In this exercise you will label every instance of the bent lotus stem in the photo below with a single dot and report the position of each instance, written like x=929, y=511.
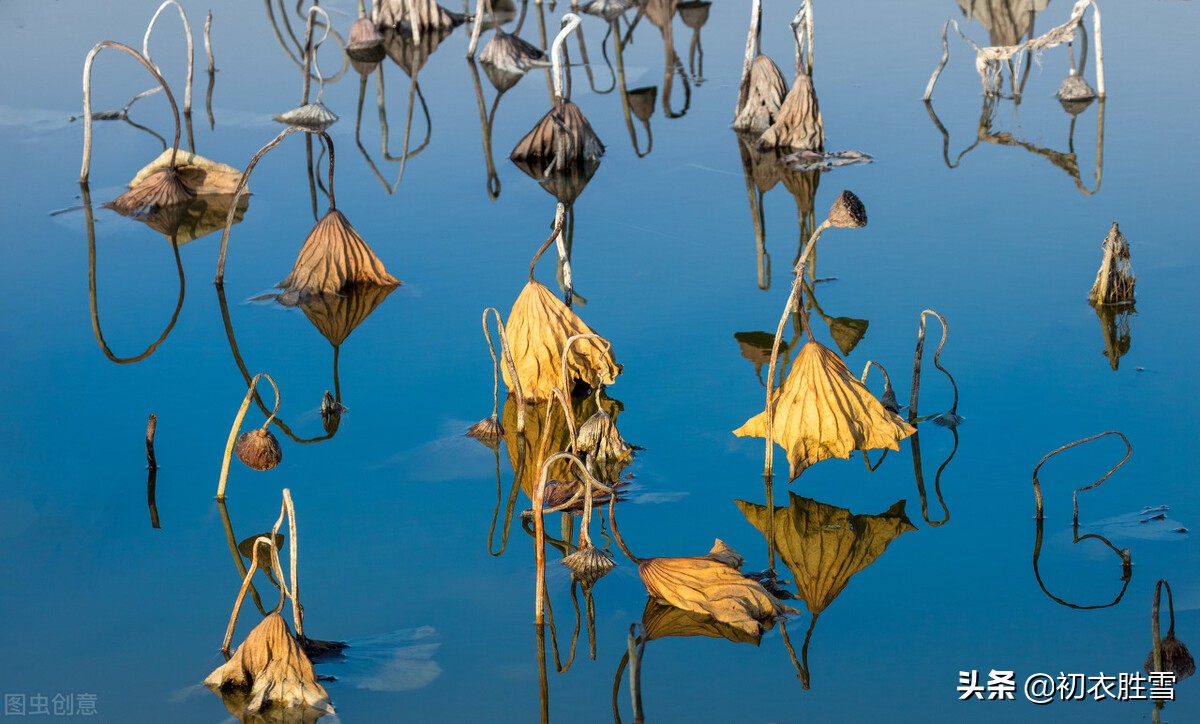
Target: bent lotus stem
x=212, y=71
x=85, y=168
x=481, y=7
x=245, y=180
x=289, y=509
x=753, y=46
x=260, y=542
x=570, y=21
x=237, y=426
x=1037, y=485
x=636, y=645
x=1123, y=554
x=559, y=217
x=566, y=350
x=512, y=368
x=1154, y=630
x=539, y=524
x=792, y=303
x=191, y=56
x=919, y=355
x=310, y=54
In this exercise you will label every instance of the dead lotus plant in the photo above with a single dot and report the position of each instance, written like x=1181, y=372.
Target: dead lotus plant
x=563, y=137
x=949, y=418
x=1168, y=653
x=258, y=449
x=1115, y=280
x=821, y=411
x=270, y=668
x=333, y=256
x=160, y=189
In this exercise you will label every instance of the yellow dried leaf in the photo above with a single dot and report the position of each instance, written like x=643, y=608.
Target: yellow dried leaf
x=198, y=173
x=335, y=256
x=538, y=328
x=269, y=670
x=526, y=451
x=822, y=412
x=337, y=315
x=710, y=585
x=824, y=545
x=660, y=621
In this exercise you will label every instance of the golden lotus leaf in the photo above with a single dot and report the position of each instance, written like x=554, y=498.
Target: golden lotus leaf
x=660, y=621
x=333, y=257
x=198, y=173
x=824, y=545
x=538, y=328
x=269, y=670
x=822, y=412
x=713, y=586
x=526, y=451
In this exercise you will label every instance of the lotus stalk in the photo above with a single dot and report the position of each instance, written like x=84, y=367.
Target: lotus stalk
x=191, y=56
x=261, y=434
x=950, y=418
x=1037, y=485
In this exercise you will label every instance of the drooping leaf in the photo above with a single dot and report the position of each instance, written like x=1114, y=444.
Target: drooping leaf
x=269, y=670
x=333, y=257
x=198, y=173
x=712, y=585
x=823, y=545
x=822, y=412
x=538, y=328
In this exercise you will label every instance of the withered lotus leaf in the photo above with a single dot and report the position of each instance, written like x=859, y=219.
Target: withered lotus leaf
x=526, y=451
x=822, y=412
x=538, y=328
x=798, y=124
x=563, y=136
x=159, y=190
x=824, y=545
x=660, y=621
x=764, y=98
x=272, y=670
x=712, y=585
x=198, y=173
x=333, y=257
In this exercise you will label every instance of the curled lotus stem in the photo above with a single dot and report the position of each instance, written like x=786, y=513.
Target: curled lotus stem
x=289, y=509
x=888, y=398
x=269, y=544
x=539, y=524
x=191, y=56
x=918, y=356
x=1037, y=485
x=85, y=168
x=242, y=184
x=237, y=426
x=560, y=214
x=508, y=361
x=567, y=349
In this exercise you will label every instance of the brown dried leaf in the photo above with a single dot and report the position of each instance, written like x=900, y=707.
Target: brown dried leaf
x=333, y=257
x=767, y=91
x=161, y=189
x=270, y=670
x=538, y=328
x=337, y=315
x=192, y=219
x=710, y=585
x=660, y=621
x=563, y=127
x=798, y=125
x=198, y=173
x=823, y=545
x=822, y=412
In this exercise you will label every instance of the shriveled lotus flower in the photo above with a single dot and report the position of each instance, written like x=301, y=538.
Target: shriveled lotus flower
x=764, y=98
x=712, y=585
x=259, y=449
x=333, y=257
x=538, y=328
x=822, y=411
x=270, y=670
x=200, y=175
x=798, y=125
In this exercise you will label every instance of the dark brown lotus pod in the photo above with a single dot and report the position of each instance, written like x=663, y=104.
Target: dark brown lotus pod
x=258, y=449
x=1175, y=658
x=366, y=42
x=848, y=212
x=331, y=413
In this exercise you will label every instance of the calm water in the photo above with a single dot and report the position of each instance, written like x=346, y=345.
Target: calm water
x=394, y=511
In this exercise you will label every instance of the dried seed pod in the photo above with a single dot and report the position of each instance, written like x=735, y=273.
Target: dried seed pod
x=589, y=562
x=486, y=430
x=366, y=42
x=848, y=212
x=259, y=449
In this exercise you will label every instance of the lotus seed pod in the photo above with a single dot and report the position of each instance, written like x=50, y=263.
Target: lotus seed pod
x=848, y=212
x=258, y=449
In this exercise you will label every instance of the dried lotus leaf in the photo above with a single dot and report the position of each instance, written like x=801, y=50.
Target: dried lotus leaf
x=823, y=412
x=538, y=328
